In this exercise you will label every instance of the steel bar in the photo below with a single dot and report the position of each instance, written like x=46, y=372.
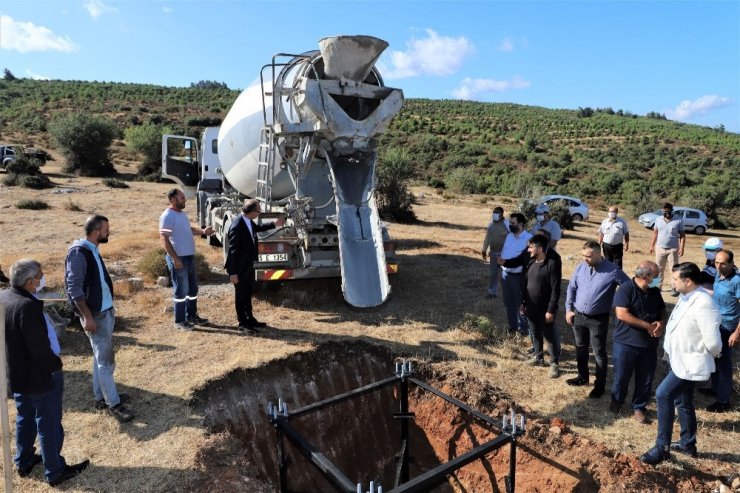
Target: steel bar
x=404, y=409
x=437, y=475
x=342, y=397
x=456, y=402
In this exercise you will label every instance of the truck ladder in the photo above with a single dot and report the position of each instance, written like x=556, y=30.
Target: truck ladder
x=265, y=167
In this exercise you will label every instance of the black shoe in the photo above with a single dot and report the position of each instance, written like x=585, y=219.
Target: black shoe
x=196, y=320
x=615, y=407
x=100, y=405
x=25, y=471
x=595, y=393
x=247, y=329
x=576, y=382
x=656, y=455
x=69, y=472
x=122, y=414
x=688, y=449
x=706, y=391
x=530, y=350
x=718, y=407
x=256, y=323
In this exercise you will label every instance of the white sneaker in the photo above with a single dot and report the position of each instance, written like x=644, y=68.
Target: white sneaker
x=554, y=370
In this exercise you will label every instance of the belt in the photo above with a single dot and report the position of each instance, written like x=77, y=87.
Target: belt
x=598, y=315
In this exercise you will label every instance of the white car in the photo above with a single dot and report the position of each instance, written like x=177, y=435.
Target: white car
x=693, y=219
x=578, y=208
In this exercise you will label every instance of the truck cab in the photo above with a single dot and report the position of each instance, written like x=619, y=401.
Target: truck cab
x=10, y=153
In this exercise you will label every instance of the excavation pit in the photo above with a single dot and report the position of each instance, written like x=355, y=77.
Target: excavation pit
x=360, y=435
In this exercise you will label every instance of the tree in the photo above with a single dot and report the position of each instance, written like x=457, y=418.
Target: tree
x=85, y=142
x=8, y=75
x=395, y=201
x=147, y=140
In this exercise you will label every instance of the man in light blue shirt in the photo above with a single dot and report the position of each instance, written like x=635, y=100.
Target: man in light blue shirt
x=588, y=303
x=90, y=291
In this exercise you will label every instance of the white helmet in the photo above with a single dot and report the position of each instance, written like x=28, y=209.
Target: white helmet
x=713, y=245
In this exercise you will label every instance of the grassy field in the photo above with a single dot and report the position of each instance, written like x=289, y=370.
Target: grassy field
x=441, y=279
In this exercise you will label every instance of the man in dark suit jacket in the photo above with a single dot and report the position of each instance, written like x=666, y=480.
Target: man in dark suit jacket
x=242, y=253
x=36, y=378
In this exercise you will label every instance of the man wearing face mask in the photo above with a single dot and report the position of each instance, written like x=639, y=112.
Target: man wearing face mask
x=668, y=241
x=35, y=374
x=90, y=291
x=496, y=233
x=614, y=236
x=640, y=313
x=544, y=221
x=512, y=260
x=711, y=247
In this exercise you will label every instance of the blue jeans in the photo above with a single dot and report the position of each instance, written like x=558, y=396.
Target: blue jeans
x=722, y=376
x=104, y=360
x=512, y=286
x=185, y=285
x=495, y=273
x=638, y=360
x=674, y=393
x=41, y=414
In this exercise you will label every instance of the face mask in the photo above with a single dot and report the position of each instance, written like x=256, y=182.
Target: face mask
x=710, y=255
x=496, y=216
x=654, y=283
x=668, y=215
x=612, y=215
x=514, y=229
x=540, y=217
x=42, y=283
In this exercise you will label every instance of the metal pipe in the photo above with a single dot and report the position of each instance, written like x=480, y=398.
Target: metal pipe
x=342, y=397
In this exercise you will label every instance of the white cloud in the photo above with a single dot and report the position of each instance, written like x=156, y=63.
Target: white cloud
x=167, y=10
x=27, y=36
x=433, y=55
x=506, y=45
x=96, y=8
x=688, y=110
x=31, y=75
x=472, y=88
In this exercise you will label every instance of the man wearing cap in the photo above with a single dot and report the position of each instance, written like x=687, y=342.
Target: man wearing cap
x=496, y=233
x=614, y=236
x=544, y=221
x=711, y=247
x=668, y=241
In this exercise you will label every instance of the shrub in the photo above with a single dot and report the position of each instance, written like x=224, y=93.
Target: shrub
x=37, y=182
x=72, y=206
x=114, y=183
x=462, y=180
x=147, y=141
x=25, y=172
x=35, y=205
x=153, y=265
x=479, y=324
x=85, y=142
x=395, y=201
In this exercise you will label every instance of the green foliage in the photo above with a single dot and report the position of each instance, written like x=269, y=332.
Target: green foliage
x=114, y=183
x=147, y=140
x=8, y=75
x=35, y=205
x=153, y=265
x=85, y=141
x=479, y=324
x=26, y=173
x=394, y=171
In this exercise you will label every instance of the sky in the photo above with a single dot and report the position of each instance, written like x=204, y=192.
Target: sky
x=678, y=58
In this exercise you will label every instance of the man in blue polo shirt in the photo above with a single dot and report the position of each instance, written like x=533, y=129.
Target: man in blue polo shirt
x=640, y=312
x=727, y=297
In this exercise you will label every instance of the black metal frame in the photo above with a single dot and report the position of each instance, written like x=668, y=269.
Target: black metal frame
x=279, y=417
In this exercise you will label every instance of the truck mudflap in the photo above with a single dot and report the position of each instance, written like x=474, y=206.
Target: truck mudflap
x=268, y=275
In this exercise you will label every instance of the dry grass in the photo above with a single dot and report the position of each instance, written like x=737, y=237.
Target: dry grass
x=441, y=279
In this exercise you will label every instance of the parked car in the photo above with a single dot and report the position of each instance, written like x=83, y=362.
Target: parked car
x=578, y=208
x=693, y=219
x=9, y=153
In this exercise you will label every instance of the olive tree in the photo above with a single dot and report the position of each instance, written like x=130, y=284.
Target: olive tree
x=85, y=142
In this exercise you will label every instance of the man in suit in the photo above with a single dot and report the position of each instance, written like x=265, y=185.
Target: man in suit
x=692, y=341
x=36, y=379
x=242, y=253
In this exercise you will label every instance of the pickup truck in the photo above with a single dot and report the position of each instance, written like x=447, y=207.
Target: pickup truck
x=10, y=152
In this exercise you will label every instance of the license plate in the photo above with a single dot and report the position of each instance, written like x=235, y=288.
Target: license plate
x=273, y=257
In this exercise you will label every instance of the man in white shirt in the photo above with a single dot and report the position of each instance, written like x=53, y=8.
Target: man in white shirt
x=512, y=259
x=614, y=236
x=547, y=223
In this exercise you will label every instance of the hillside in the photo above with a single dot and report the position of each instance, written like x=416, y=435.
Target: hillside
x=466, y=147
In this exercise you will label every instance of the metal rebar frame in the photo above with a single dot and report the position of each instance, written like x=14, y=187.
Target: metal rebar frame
x=511, y=426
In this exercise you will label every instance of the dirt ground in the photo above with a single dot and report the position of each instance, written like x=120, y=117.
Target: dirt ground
x=441, y=278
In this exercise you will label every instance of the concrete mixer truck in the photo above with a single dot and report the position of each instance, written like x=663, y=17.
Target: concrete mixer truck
x=302, y=141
